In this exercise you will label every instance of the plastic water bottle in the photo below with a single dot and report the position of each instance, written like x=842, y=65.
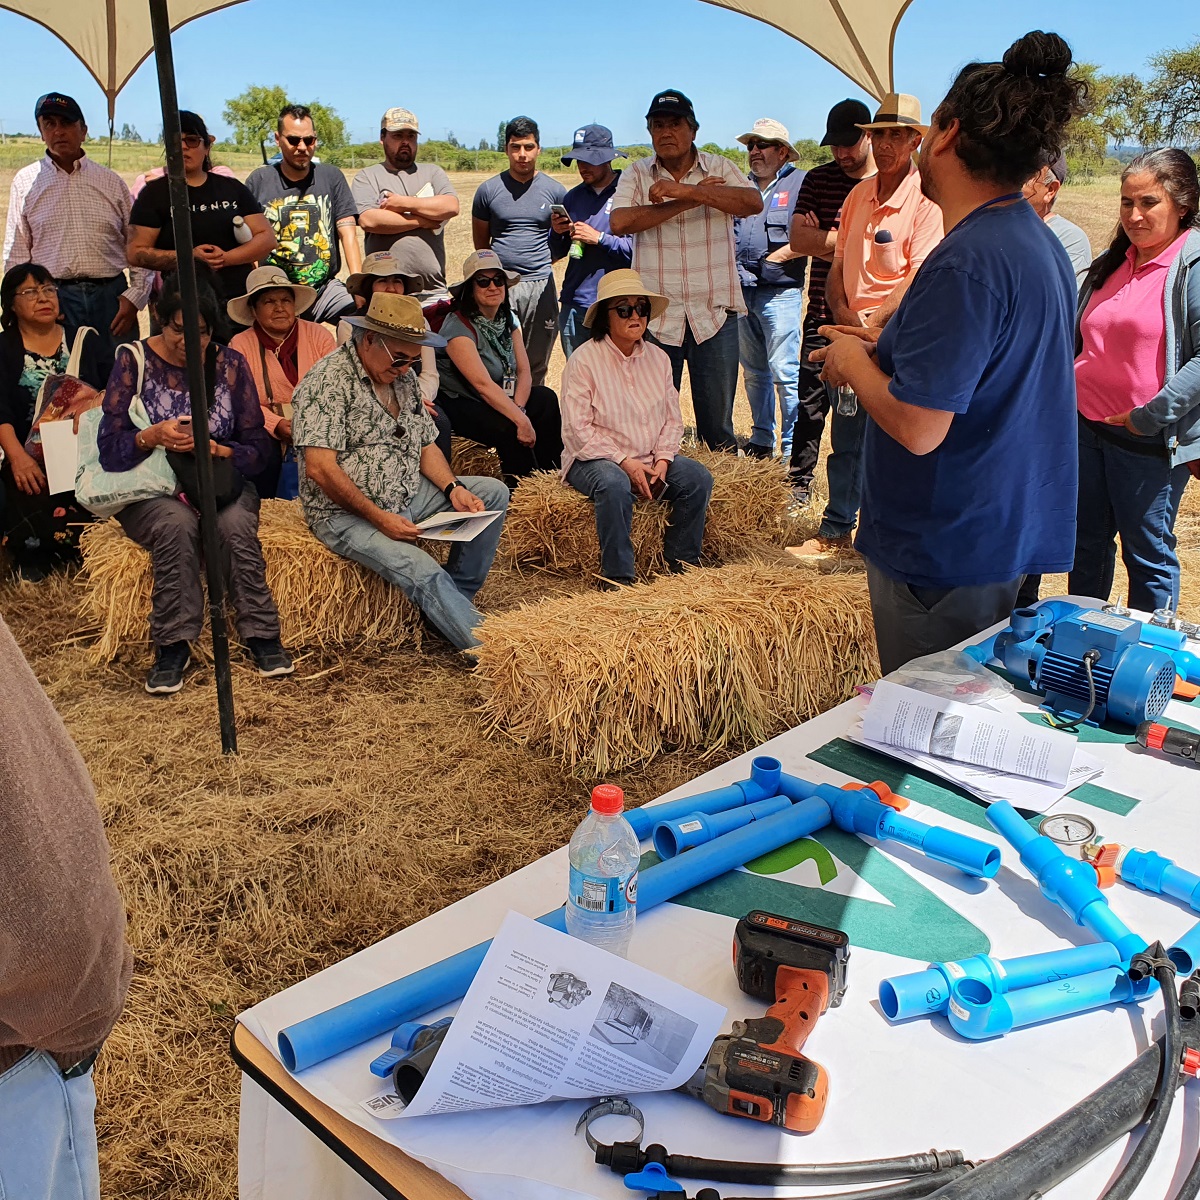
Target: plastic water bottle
x=604, y=854
x=242, y=232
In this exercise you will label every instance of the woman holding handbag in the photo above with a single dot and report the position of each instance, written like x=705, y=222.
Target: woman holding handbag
x=34, y=345
x=169, y=526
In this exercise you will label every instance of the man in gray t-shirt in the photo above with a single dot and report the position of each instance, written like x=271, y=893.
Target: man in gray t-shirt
x=401, y=197
x=1041, y=192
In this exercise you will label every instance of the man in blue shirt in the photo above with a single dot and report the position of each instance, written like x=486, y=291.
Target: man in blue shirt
x=594, y=247
x=971, y=473
x=772, y=277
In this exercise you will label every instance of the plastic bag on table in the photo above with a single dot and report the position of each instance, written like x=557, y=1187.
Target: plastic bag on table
x=952, y=675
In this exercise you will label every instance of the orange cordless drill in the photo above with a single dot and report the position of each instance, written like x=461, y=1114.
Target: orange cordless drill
x=759, y=1069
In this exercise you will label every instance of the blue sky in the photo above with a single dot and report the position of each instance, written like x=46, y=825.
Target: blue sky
x=461, y=65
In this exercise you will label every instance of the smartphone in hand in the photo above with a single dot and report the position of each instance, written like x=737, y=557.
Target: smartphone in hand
x=559, y=210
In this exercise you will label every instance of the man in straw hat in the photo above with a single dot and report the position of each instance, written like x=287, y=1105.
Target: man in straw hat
x=369, y=469
x=621, y=430
x=888, y=228
x=772, y=276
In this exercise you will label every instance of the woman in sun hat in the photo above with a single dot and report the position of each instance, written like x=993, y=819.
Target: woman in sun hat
x=622, y=428
x=486, y=384
x=280, y=348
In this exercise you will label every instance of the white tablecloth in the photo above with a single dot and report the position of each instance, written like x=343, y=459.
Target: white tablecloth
x=895, y=1089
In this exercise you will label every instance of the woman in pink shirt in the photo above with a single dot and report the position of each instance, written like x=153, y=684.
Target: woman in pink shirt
x=1137, y=379
x=621, y=430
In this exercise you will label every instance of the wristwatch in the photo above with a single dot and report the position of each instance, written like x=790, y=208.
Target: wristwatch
x=451, y=486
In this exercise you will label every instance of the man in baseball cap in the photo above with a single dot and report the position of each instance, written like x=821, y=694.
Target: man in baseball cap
x=1041, y=191
x=57, y=105
x=595, y=249
x=401, y=197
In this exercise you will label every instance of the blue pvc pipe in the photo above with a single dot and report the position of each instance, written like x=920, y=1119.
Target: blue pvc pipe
x=1151, y=872
x=762, y=785
x=1185, y=953
x=1067, y=882
x=358, y=1020
x=697, y=828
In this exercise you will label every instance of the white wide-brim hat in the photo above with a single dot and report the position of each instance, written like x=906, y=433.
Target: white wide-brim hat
x=264, y=279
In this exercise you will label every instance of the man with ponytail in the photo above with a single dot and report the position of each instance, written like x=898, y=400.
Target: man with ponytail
x=970, y=471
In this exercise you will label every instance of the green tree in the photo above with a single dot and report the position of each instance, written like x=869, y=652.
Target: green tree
x=129, y=133
x=500, y=135
x=254, y=116
x=1172, y=98
x=484, y=144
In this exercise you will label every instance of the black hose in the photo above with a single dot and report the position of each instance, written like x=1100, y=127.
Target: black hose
x=1191, y=1185
x=909, y=1189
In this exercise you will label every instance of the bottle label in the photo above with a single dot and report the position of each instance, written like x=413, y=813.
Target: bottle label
x=603, y=893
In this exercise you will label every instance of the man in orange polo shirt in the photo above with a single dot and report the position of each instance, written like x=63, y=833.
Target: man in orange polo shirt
x=886, y=230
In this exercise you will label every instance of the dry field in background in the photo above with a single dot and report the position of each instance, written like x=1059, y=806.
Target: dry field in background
x=365, y=797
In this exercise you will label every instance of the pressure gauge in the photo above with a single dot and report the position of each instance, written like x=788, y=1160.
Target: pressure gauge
x=1069, y=832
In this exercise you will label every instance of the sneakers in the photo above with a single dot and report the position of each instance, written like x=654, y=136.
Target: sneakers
x=817, y=546
x=270, y=657
x=170, y=662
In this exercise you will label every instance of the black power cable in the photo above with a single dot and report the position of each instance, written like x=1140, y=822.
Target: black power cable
x=1189, y=1003
x=909, y=1189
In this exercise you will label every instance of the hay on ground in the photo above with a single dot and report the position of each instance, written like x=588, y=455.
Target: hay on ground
x=705, y=661
x=470, y=458
x=324, y=600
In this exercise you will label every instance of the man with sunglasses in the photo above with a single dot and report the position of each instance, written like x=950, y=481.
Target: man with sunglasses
x=314, y=216
x=370, y=471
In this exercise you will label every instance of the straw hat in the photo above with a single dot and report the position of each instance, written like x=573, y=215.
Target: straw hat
x=263, y=279
x=382, y=265
x=399, y=317
x=483, y=260
x=766, y=130
x=624, y=283
x=898, y=110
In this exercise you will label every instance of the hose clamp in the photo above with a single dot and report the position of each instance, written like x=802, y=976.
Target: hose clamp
x=610, y=1106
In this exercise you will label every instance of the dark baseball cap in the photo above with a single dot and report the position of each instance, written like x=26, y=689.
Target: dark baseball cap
x=55, y=104
x=1058, y=165
x=671, y=102
x=592, y=144
x=842, y=124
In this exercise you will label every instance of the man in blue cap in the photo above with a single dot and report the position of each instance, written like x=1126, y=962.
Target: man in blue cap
x=595, y=249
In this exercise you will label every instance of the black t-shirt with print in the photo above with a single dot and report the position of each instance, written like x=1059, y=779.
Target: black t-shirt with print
x=214, y=204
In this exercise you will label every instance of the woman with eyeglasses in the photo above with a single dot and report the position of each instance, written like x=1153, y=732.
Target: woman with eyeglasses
x=169, y=526
x=215, y=202
x=486, y=385
x=622, y=428
x=34, y=344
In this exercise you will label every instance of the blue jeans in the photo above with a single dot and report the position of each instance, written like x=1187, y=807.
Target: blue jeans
x=47, y=1133
x=769, y=339
x=844, y=469
x=712, y=371
x=1136, y=495
x=572, y=332
x=95, y=304
x=444, y=595
x=689, y=485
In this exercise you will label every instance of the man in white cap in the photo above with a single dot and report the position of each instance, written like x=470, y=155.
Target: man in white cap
x=772, y=277
x=888, y=228
x=401, y=197
x=369, y=469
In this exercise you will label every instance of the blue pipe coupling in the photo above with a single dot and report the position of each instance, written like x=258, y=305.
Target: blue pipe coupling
x=674, y=837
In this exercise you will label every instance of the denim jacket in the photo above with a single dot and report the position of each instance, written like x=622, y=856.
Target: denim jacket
x=1174, y=414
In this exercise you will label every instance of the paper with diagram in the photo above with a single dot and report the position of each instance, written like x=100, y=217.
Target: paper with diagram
x=549, y=1017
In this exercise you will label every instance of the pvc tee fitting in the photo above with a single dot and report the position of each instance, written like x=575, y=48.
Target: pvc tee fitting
x=674, y=837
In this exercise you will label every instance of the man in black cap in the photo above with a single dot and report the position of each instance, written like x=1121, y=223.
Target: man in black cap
x=71, y=216
x=680, y=205
x=594, y=247
x=814, y=234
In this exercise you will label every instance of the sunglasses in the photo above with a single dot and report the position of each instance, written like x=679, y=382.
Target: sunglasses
x=292, y=140
x=403, y=361
x=193, y=141
x=625, y=311
x=759, y=144
x=489, y=281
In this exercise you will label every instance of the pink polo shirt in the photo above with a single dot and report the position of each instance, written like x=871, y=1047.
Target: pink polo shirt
x=1124, y=358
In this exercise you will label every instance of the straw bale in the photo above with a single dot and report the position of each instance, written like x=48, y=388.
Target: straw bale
x=324, y=600
x=705, y=661
x=470, y=458
x=553, y=526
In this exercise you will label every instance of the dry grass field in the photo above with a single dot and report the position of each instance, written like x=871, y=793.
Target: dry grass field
x=366, y=795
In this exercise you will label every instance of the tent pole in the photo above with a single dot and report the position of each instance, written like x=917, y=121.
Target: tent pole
x=182, y=222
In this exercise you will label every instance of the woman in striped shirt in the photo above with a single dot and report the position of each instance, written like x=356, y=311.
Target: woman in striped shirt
x=622, y=428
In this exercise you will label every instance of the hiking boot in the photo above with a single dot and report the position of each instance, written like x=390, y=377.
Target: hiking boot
x=270, y=657
x=170, y=662
x=800, y=500
x=818, y=546
x=751, y=450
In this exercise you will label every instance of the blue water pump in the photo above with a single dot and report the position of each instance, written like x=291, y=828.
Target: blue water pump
x=1090, y=665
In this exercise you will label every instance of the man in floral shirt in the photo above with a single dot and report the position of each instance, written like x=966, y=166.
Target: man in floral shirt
x=369, y=470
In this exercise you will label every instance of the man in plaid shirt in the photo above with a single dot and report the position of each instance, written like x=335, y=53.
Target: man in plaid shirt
x=680, y=204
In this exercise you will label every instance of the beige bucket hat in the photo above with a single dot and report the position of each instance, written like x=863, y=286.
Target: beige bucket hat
x=399, y=317
x=624, y=283
x=898, y=110
x=767, y=130
x=483, y=260
x=263, y=279
x=381, y=265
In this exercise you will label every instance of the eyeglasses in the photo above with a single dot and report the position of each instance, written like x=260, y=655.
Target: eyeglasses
x=177, y=330
x=759, y=144
x=292, y=140
x=625, y=311
x=45, y=291
x=193, y=141
x=489, y=281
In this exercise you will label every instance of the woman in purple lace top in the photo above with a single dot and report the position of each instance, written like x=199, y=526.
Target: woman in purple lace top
x=168, y=526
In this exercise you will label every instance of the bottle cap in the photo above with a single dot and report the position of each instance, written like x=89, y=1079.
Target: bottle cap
x=607, y=798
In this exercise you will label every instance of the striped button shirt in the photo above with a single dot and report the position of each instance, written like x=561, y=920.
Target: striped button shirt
x=691, y=257
x=73, y=223
x=616, y=407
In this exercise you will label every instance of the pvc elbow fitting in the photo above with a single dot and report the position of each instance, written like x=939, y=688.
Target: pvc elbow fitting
x=674, y=837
